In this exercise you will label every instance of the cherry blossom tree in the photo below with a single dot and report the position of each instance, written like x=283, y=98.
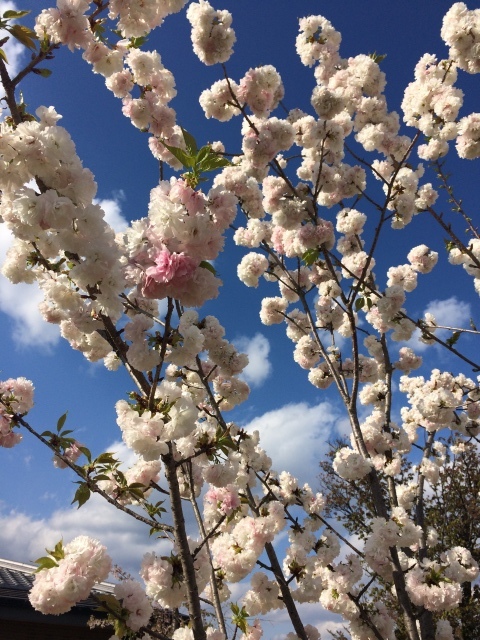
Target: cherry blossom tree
x=451, y=512
x=310, y=197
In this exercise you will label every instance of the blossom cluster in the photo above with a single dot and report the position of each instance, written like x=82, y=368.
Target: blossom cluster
x=84, y=563
x=16, y=399
x=167, y=252
x=164, y=580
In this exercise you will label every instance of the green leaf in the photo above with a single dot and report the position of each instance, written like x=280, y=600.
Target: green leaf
x=86, y=453
x=207, y=265
x=182, y=156
x=377, y=57
x=212, y=164
x=45, y=562
x=82, y=494
x=45, y=43
x=119, y=627
x=15, y=14
x=105, y=458
x=3, y=55
x=99, y=29
x=24, y=35
x=58, y=553
x=136, y=43
x=239, y=617
x=203, y=153
x=310, y=256
x=359, y=304
x=110, y=601
x=453, y=338
x=45, y=73
x=190, y=142
x=61, y=421
x=138, y=493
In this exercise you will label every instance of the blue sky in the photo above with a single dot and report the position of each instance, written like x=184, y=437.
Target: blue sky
x=296, y=419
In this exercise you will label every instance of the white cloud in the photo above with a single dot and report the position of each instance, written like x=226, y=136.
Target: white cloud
x=24, y=538
x=295, y=436
x=257, y=350
x=276, y=625
x=13, y=49
x=113, y=211
x=451, y=312
x=20, y=302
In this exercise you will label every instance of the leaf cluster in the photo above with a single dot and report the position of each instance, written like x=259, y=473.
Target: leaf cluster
x=54, y=556
x=196, y=161
x=239, y=617
x=20, y=32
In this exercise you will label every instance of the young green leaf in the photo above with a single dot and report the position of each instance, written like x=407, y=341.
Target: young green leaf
x=105, y=458
x=207, y=265
x=203, y=153
x=190, y=142
x=239, y=617
x=359, y=304
x=45, y=73
x=58, y=553
x=453, y=338
x=377, y=57
x=310, y=256
x=15, y=14
x=45, y=562
x=82, y=494
x=61, y=421
x=213, y=162
x=86, y=453
x=182, y=156
x=24, y=35
x=136, y=43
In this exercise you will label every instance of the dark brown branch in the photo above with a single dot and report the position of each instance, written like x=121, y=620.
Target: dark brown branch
x=188, y=567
